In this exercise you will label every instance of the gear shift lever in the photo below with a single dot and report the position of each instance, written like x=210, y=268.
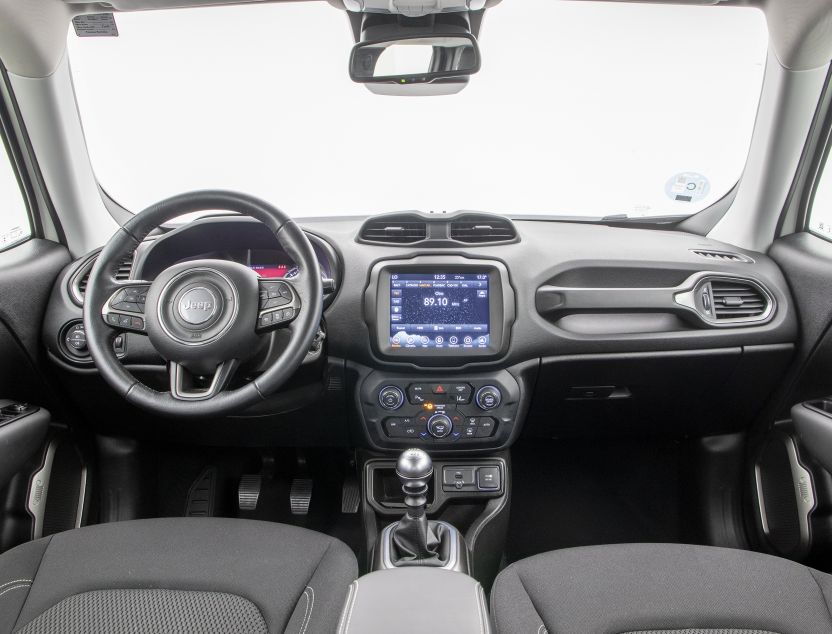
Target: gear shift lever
x=415, y=469
x=415, y=541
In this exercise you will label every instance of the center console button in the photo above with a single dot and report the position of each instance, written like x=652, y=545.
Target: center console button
x=486, y=427
x=461, y=393
x=391, y=397
x=452, y=475
x=440, y=426
x=418, y=393
x=488, y=478
x=489, y=397
x=469, y=431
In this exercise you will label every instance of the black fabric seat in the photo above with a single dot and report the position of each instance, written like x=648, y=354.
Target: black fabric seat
x=660, y=588
x=196, y=575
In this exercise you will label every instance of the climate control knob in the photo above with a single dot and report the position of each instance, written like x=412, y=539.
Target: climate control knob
x=390, y=397
x=439, y=426
x=489, y=397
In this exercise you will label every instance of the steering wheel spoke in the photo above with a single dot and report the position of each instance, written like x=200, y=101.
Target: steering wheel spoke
x=279, y=304
x=186, y=386
x=125, y=309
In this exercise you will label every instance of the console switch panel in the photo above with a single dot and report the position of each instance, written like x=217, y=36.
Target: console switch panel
x=471, y=478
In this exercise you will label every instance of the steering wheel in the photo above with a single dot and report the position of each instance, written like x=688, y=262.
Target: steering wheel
x=204, y=317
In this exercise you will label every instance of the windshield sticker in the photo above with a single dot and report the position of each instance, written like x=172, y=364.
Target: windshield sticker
x=687, y=187
x=95, y=25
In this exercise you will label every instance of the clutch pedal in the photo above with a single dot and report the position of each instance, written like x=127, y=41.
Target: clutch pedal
x=300, y=496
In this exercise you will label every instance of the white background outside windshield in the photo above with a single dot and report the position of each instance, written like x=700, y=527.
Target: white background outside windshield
x=580, y=108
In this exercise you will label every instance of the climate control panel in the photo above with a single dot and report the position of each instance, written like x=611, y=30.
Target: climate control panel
x=468, y=412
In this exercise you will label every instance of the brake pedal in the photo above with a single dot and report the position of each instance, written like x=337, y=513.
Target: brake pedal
x=300, y=496
x=350, y=495
x=248, y=492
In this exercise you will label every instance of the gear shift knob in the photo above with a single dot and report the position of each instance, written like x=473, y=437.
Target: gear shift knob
x=415, y=469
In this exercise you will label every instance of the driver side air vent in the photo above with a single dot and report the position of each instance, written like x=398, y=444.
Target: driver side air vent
x=394, y=230
x=81, y=278
x=738, y=300
x=482, y=229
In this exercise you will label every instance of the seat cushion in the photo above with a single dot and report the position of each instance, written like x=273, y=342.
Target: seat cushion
x=200, y=575
x=660, y=588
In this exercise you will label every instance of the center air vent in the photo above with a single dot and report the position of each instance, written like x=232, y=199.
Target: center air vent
x=481, y=229
x=404, y=229
x=82, y=276
x=738, y=300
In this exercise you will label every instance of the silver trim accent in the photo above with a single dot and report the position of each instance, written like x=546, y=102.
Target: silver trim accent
x=38, y=493
x=201, y=342
x=39, y=489
x=453, y=551
x=804, y=491
x=218, y=382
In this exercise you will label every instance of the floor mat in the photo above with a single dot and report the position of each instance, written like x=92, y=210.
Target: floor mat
x=580, y=493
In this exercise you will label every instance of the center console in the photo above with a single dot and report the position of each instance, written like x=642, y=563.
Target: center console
x=445, y=413
x=440, y=327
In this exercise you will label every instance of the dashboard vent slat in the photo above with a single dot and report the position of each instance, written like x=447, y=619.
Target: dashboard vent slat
x=482, y=229
x=395, y=230
x=738, y=300
x=722, y=256
x=123, y=273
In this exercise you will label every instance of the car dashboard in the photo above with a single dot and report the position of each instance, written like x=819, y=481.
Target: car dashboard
x=459, y=332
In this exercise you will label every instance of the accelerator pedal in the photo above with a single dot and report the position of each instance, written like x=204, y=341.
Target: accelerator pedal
x=300, y=496
x=248, y=492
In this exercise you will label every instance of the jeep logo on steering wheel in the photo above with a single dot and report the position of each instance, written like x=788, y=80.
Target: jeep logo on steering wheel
x=197, y=305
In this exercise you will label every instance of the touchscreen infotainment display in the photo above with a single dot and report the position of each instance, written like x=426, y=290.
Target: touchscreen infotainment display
x=439, y=310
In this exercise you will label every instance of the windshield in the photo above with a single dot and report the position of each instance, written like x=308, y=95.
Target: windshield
x=580, y=109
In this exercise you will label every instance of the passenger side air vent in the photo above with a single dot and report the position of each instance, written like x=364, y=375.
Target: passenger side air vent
x=405, y=229
x=738, y=300
x=723, y=256
x=81, y=278
x=482, y=229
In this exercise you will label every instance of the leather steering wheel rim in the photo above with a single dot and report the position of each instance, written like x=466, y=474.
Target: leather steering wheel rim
x=102, y=284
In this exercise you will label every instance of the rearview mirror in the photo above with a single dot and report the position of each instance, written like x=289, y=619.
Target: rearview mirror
x=416, y=59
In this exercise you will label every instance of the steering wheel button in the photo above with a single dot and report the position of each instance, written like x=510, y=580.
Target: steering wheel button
x=266, y=319
x=112, y=319
x=137, y=323
x=288, y=313
x=285, y=291
x=125, y=320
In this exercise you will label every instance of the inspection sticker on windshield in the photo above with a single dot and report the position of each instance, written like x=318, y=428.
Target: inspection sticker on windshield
x=95, y=25
x=687, y=187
